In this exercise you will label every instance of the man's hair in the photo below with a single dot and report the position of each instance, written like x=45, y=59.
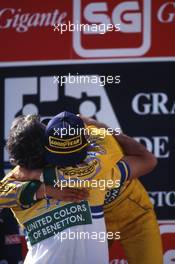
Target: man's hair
x=25, y=143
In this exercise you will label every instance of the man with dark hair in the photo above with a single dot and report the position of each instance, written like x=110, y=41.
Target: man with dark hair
x=137, y=160
x=49, y=220
x=25, y=146
x=25, y=143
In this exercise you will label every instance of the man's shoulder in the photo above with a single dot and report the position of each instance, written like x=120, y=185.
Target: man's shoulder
x=102, y=141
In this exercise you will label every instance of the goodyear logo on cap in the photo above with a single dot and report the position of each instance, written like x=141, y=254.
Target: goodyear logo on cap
x=65, y=143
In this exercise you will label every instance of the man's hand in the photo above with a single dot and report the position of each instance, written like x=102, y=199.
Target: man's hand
x=66, y=194
x=22, y=174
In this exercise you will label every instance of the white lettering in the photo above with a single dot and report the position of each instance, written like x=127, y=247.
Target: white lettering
x=163, y=16
x=154, y=103
x=15, y=18
x=157, y=145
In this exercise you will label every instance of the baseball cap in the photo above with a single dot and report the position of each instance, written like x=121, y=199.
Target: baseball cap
x=65, y=142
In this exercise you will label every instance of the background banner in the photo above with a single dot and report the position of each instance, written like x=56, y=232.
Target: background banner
x=142, y=105
x=28, y=32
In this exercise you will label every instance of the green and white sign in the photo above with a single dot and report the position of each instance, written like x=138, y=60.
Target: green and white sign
x=54, y=221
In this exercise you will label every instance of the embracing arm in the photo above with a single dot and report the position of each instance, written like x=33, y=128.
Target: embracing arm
x=139, y=159
x=22, y=188
x=66, y=194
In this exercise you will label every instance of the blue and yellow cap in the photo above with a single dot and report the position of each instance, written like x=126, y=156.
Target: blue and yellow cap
x=65, y=140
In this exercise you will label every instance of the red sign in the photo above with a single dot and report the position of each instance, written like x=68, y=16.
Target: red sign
x=86, y=29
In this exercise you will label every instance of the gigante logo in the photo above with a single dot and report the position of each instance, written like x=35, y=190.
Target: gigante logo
x=21, y=22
